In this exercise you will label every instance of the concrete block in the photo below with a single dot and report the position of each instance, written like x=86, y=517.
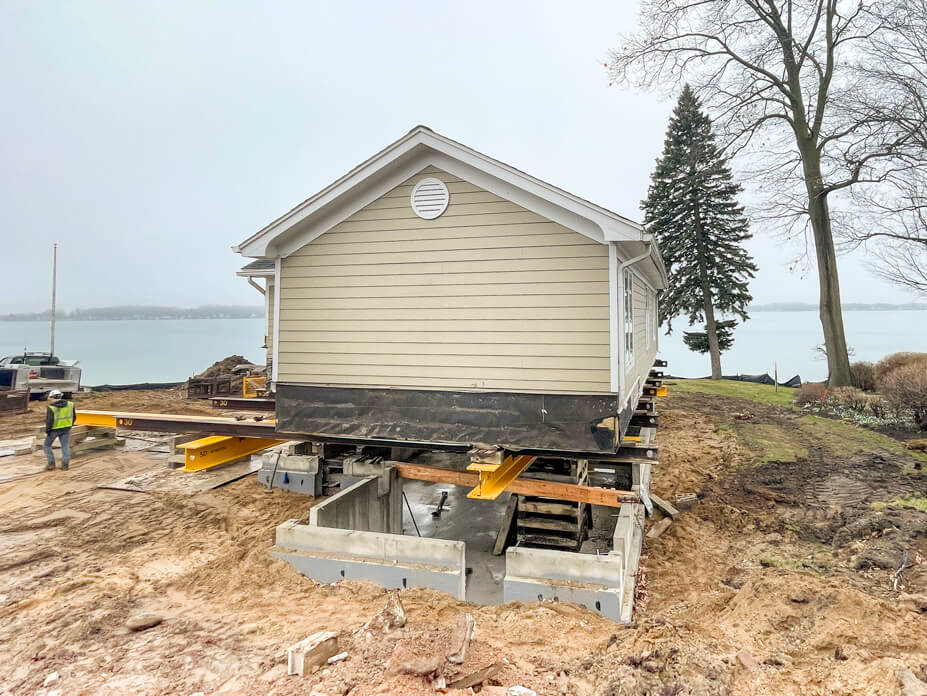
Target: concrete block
x=391, y=560
x=311, y=653
x=627, y=541
x=593, y=581
x=300, y=473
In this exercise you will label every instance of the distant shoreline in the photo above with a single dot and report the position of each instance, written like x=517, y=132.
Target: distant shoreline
x=142, y=313
x=847, y=307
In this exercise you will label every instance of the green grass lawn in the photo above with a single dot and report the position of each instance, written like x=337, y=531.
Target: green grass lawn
x=778, y=442
x=763, y=393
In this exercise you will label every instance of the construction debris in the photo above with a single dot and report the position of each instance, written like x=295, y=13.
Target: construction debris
x=311, y=653
x=664, y=506
x=391, y=617
x=685, y=501
x=477, y=677
x=659, y=527
x=465, y=627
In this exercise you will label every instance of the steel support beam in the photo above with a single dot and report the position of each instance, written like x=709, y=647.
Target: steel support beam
x=494, y=478
x=218, y=425
x=209, y=452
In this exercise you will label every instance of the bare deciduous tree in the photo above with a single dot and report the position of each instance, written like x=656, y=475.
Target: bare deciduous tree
x=893, y=88
x=774, y=74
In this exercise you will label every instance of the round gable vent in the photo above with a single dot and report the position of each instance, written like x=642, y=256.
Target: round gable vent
x=430, y=198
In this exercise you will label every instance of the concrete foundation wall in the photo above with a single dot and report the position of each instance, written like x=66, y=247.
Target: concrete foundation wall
x=596, y=582
x=391, y=560
x=363, y=506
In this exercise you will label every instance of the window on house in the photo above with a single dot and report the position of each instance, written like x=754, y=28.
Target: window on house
x=648, y=320
x=628, y=321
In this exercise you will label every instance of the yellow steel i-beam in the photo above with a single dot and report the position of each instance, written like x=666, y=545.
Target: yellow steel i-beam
x=208, y=452
x=494, y=478
x=91, y=418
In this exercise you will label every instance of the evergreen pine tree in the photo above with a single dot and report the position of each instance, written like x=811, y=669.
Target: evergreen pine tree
x=692, y=210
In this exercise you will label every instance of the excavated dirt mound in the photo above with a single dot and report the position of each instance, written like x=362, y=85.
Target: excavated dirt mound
x=223, y=367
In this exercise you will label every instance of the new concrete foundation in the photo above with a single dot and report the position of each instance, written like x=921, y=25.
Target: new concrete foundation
x=603, y=583
x=362, y=507
x=358, y=534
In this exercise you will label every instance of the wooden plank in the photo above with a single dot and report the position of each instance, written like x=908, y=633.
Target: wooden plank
x=506, y=528
x=665, y=506
x=553, y=525
x=547, y=540
x=546, y=508
x=521, y=486
x=659, y=528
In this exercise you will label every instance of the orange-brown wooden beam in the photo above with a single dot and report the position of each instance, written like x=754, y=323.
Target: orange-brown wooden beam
x=522, y=486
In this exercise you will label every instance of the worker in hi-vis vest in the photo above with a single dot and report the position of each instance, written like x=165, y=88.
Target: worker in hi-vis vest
x=58, y=421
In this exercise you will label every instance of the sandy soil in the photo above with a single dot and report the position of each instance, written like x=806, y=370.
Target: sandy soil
x=756, y=590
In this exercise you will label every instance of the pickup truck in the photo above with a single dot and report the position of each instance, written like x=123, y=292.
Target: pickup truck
x=42, y=372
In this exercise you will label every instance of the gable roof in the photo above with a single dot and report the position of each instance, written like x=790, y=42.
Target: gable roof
x=418, y=149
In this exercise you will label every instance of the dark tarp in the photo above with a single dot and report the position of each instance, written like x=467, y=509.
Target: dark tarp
x=556, y=422
x=764, y=378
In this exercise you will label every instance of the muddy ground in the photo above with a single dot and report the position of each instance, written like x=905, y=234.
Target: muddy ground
x=782, y=580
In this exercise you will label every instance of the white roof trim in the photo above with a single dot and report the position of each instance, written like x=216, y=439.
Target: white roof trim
x=410, y=154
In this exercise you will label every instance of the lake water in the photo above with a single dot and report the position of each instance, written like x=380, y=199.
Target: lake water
x=788, y=339
x=129, y=352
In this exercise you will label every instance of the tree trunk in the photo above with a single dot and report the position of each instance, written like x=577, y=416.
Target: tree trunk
x=711, y=326
x=831, y=312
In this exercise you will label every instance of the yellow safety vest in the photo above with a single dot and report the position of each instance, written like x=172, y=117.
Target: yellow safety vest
x=62, y=416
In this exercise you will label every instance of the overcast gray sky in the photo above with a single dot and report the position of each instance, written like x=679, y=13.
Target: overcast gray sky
x=147, y=138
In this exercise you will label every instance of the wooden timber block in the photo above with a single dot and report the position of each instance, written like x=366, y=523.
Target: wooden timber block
x=529, y=539
x=311, y=653
x=664, y=506
x=505, y=531
x=660, y=527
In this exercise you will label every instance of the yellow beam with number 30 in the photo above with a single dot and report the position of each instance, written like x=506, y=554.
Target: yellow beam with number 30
x=208, y=452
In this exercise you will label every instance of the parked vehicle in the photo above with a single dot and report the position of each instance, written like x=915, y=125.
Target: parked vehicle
x=44, y=372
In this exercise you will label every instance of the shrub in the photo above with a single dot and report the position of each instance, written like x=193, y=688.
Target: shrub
x=876, y=405
x=849, y=397
x=893, y=362
x=862, y=376
x=811, y=393
x=905, y=388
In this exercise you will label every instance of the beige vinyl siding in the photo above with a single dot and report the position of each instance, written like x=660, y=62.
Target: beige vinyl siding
x=643, y=356
x=487, y=296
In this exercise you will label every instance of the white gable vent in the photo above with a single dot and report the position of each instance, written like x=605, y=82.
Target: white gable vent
x=430, y=198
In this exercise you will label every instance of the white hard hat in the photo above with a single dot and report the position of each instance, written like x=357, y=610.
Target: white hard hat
x=55, y=394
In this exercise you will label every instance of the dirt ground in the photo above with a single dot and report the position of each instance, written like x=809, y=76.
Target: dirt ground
x=780, y=581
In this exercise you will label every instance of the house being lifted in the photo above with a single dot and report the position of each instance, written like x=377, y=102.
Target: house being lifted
x=434, y=297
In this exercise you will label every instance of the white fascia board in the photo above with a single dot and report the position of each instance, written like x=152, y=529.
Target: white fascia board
x=614, y=365
x=276, y=367
x=534, y=195
x=619, y=335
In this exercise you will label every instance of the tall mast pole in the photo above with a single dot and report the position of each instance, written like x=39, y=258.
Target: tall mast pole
x=54, y=290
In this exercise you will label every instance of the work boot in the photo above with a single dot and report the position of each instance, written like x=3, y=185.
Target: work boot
x=49, y=467
x=64, y=467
